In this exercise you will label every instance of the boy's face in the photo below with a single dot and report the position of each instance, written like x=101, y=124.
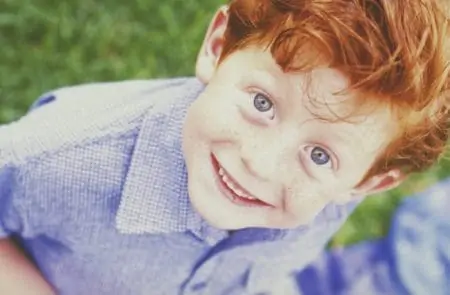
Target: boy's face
x=258, y=156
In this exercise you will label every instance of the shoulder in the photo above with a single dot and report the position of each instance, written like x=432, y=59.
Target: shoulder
x=104, y=94
x=71, y=153
x=80, y=115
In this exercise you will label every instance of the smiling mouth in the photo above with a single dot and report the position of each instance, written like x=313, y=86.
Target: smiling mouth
x=232, y=190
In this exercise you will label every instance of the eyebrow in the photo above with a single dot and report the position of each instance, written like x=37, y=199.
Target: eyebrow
x=333, y=138
x=269, y=80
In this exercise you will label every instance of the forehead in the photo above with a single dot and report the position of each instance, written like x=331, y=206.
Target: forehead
x=325, y=93
x=355, y=118
x=322, y=90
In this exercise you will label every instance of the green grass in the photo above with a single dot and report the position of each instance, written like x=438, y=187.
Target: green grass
x=48, y=44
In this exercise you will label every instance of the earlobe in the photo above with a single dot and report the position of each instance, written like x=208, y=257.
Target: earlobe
x=380, y=183
x=211, y=49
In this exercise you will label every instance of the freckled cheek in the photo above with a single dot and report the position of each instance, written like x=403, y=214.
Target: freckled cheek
x=336, y=186
x=304, y=204
x=219, y=119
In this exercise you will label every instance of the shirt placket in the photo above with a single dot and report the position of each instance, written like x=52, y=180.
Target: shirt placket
x=200, y=280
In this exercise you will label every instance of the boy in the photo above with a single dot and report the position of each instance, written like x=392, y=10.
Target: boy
x=225, y=183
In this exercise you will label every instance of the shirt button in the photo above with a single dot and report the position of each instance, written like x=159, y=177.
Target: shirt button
x=43, y=101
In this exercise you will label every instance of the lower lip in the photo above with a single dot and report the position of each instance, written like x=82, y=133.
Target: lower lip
x=230, y=195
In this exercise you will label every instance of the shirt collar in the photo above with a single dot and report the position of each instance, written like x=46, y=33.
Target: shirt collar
x=155, y=196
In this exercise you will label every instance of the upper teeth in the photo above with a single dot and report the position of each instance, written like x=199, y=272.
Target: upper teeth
x=232, y=186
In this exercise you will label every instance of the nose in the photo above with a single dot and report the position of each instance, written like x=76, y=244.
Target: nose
x=272, y=163
x=264, y=162
x=255, y=172
x=266, y=165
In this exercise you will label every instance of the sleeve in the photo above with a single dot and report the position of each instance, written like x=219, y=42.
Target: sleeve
x=365, y=268
x=10, y=186
x=9, y=221
x=419, y=241
x=413, y=259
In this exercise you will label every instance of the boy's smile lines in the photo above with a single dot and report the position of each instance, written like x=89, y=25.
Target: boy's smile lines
x=232, y=189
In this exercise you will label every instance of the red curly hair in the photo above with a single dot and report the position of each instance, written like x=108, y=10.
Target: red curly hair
x=395, y=50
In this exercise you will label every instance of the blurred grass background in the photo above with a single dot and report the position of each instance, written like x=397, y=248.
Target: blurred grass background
x=46, y=44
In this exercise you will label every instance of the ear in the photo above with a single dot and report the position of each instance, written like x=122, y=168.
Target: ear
x=380, y=183
x=211, y=49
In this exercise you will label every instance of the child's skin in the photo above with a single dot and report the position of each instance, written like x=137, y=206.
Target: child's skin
x=272, y=132
x=260, y=125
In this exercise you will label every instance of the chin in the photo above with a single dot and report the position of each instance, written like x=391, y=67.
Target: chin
x=221, y=221
x=223, y=225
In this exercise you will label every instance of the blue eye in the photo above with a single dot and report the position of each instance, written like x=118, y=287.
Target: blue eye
x=320, y=156
x=262, y=103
